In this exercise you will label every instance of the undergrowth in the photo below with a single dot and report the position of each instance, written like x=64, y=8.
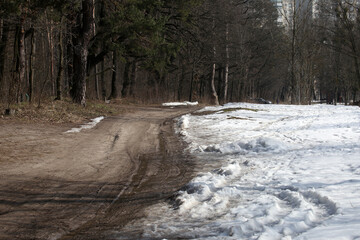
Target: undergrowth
x=64, y=111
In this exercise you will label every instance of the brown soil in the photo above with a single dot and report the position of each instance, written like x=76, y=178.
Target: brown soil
x=57, y=185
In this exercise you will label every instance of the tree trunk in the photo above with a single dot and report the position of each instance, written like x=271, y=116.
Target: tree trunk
x=226, y=77
x=59, y=78
x=191, y=83
x=78, y=90
x=214, y=96
x=232, y=91
x=31, y=66
x=14, y=70
x=202, y=86
x=81, y=52
x=51, y=50
x=354, y=95
x=3, y=43
x=127, y=80
x=20, y=68
x=114, y=91
x=356, y=58
x=133, y=78
x=220, y=83
x=181, y=81
x=96, y=68
x=97, y=92
x=102, y=65
x=18, y=71
x=102, y=80
x=292, y=61
x=69, y=62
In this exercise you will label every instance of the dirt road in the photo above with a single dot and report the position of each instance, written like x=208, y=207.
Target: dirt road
x=57, y=185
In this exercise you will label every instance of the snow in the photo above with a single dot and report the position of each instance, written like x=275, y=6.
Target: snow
x=88, y=125
x=176, y=104
x=266, y=172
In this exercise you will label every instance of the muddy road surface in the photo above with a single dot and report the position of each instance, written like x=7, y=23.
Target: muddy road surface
x=57, y=185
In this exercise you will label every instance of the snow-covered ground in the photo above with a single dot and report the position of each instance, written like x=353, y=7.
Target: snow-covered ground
x=267, y=172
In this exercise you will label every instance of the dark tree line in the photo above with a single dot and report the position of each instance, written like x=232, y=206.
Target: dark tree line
x=173, y=50
x=339, y=69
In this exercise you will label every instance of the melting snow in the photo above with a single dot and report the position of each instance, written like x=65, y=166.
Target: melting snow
x=267, y=172
x=86, y=126
x=175, y=104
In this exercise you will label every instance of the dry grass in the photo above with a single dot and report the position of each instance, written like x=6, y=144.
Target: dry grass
x=60, y=111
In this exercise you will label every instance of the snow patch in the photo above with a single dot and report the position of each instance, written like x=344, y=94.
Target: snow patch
x=239, y=147
x=207, y=195
x=176, y=104
x=86, y=126
x=291, y=172
x=183, y=125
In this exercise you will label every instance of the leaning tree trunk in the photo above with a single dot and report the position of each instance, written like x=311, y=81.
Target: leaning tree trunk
x=81, y=52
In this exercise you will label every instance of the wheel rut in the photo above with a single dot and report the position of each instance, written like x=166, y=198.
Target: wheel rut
x=85, y=185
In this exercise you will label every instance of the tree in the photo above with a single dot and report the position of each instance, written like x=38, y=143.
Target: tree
x=339, y=69
x=83, y=34
x=299, y=24
x=210, y=50
x=3, y=43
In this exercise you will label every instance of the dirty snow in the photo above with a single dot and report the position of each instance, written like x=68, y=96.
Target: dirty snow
x=266, y=172
x=88, y=125
x=176, y=104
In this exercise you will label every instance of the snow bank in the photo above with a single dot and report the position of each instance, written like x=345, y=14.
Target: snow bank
x=176, y=104
x=267, y=172
x=209, y=190
x=86, y=126
x=183, y=125
x=240, y=147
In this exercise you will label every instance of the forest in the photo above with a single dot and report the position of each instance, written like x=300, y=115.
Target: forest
x=152, y=51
